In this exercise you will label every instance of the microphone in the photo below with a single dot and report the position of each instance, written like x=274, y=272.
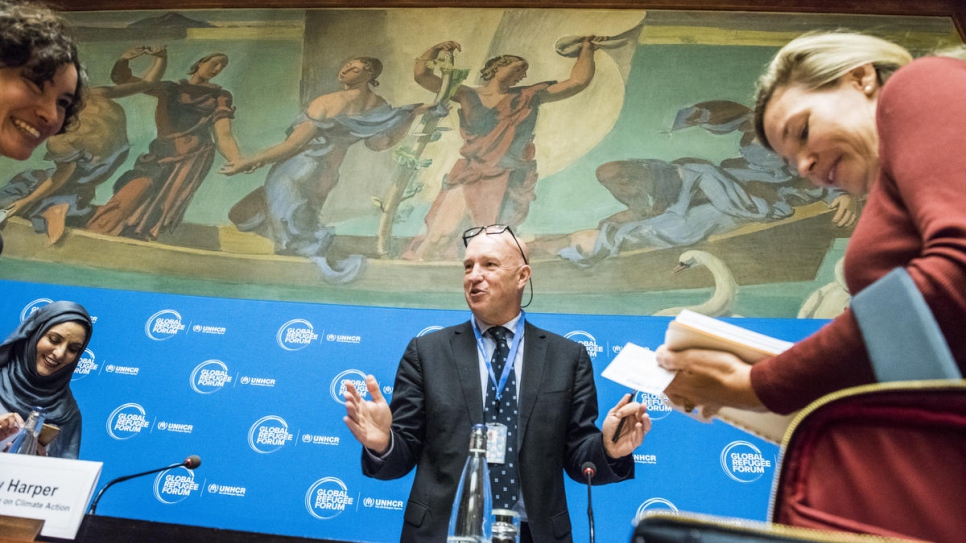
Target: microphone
x=589, y=470
x=191, y=462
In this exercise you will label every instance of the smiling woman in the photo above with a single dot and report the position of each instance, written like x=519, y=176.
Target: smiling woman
x=856, y=112
x=37, y=361
x=40, y=77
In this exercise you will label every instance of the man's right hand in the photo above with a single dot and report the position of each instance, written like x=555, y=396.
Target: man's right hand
x=370, y=421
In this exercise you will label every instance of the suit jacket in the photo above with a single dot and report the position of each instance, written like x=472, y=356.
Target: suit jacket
x=436, y=401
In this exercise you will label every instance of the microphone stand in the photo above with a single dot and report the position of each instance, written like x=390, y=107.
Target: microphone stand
x=590, y=511
x=93, y=508
x=589, y=471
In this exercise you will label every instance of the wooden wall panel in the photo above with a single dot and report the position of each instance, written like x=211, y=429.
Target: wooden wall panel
x=955, y=9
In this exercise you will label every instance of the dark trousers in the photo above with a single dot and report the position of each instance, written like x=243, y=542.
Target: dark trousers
x=525, y=535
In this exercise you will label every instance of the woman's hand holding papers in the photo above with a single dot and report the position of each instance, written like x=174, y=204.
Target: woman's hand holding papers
x=709, y=379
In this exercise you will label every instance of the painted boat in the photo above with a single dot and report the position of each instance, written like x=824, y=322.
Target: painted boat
x=786, y=250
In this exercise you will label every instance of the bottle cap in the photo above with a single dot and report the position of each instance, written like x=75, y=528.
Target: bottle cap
x=478, y=439
x=505, y=515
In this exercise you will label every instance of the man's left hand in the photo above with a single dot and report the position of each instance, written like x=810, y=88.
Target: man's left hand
x=633, y=430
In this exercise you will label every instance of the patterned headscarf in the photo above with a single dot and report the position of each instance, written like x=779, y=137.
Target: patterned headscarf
x=21, y=387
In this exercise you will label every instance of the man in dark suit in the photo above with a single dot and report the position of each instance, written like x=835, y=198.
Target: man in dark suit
x=439, y=394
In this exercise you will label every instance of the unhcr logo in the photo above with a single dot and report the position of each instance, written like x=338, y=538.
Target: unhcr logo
x=344, y=338
x=227, y=490
x=327, y=498
x=174, y=485
x=382, y=503
x=257, y=381
x=645, y=459
x=207, y=329
x=296, y=335
x=348, y=378
x=587, y=340
x=164, y=324
x=122, y=370
x=180, y=428
x=743, y=462
x=312, y=439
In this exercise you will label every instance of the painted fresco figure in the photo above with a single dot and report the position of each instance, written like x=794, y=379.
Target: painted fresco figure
x=684, y=201
x=193, y=119
x=84, y=157
x=306, y=166
x=495, y=180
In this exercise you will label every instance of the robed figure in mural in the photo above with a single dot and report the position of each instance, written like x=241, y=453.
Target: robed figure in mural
x=193, y=119
x=306, y=166
x=495, y=180
x=681, y=202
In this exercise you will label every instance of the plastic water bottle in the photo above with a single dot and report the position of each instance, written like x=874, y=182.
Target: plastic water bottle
x=26, y=440
x=470, y=520
x=506, y=526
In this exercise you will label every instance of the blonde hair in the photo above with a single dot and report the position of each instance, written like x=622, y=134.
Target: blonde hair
x=956, y=51
x=817, y=60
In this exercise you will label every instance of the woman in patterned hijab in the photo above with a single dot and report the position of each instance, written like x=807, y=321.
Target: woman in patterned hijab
x=36, y=364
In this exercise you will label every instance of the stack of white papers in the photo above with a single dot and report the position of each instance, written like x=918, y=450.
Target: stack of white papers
x=636, y=367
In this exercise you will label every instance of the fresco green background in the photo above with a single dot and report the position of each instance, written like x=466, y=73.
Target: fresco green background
x=264, y=77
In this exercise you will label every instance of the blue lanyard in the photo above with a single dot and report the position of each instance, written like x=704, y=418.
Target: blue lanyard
x=511, y=356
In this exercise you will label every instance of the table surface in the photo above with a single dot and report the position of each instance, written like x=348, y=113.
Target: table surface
x=98, y=529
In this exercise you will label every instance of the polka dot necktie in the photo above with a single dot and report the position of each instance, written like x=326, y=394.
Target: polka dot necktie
x=504, y=478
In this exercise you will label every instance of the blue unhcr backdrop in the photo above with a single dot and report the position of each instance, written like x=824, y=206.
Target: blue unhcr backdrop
x=254, y=388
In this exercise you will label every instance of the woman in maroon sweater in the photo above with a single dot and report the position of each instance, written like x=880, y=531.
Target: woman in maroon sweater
x=825, y=107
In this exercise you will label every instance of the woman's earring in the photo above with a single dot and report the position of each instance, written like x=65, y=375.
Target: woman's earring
x=868, y=89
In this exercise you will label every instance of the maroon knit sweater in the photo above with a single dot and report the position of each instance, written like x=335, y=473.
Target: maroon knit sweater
x=915, y=217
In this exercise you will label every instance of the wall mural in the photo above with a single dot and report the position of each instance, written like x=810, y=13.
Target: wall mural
x=336, y=155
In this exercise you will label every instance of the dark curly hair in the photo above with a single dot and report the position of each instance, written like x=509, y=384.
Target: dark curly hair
x=39, y=41
x=371, y=65
x=492, y=65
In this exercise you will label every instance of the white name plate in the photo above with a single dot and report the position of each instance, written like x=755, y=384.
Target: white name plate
x=56, y=490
